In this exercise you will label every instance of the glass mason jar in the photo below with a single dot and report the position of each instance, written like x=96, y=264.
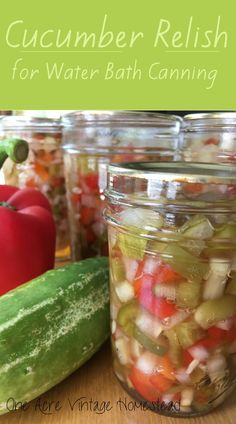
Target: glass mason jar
x=43, y=170
x=93, y=139
x=209, y=137
x=172, y=248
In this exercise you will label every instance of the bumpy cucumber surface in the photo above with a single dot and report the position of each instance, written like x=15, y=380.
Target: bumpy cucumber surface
x=50, y=326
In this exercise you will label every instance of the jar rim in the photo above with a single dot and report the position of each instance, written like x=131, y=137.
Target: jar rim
x=220, y=121
x=198, y=172
x=146, y=180
x=167, y=123
x=21, y=123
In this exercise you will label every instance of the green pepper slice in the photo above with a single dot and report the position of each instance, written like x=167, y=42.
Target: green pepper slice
x=148, y=343
x=126, y=316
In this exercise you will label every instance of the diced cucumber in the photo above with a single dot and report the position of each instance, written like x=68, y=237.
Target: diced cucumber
x=193, y=246
x=117, y=270
x=188, y=295
x=188, y=333
x=216, y=280
x=214, y=310
x=197, y=228
x=132, y=244
x=226, y=231
x=138, y=222
x=184, y=263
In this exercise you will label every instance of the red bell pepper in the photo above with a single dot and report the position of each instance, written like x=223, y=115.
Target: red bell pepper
x=143, y=287
x=27, y=229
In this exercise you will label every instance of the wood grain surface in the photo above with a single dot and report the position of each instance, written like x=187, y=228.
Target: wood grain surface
x=95, y=381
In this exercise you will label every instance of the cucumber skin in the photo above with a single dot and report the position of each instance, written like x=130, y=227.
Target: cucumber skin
x=50, y=326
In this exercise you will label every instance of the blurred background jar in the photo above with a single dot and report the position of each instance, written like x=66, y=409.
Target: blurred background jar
x=43, y=170
x=93, y=139
x=209, y=137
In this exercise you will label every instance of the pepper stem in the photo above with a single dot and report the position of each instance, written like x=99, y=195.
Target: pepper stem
x=14, y=148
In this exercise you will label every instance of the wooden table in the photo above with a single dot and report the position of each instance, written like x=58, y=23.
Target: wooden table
x=95, y=381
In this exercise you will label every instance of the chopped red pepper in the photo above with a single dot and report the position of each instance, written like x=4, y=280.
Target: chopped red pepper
x=91, y=180
x=187, y=358
x=230, y=335
x=87, y=216
x=211, y=140
x=165, y=274
x=160, y=382
x=143, y=385
x=143, y=288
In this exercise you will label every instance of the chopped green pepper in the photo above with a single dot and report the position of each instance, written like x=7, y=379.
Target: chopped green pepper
x=127, y=315
x=175, y=351
x=197, y=228
x=149, y=344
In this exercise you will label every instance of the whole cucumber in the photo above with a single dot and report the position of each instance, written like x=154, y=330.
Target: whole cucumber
x=50, y=326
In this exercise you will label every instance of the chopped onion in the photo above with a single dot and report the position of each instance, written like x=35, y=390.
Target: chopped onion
x=194, y=364
x=226, y=324
x=124, y=291
x=147, y=363
x=148, y=324
x=167, y=291
x=141, y=218
x=182, y=376
x=113, y=311
x=216, y=367
x=187, y=396
x=199, y=352
x=123, y=351
x=131, y=267
x=150, y=265
x=113, y=326
x=167, y=397
x=175, y=319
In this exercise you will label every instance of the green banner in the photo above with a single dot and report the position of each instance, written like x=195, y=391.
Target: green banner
x=124, y=54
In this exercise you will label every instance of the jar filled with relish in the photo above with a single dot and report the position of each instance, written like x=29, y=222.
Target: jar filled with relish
x=93, y=139
x=172, y=250
x=209, y=137
x=43, y=169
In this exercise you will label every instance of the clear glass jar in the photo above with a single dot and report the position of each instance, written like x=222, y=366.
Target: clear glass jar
x=172, y=248
x=92, y=140
x=209, y=137
x=43, y=170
